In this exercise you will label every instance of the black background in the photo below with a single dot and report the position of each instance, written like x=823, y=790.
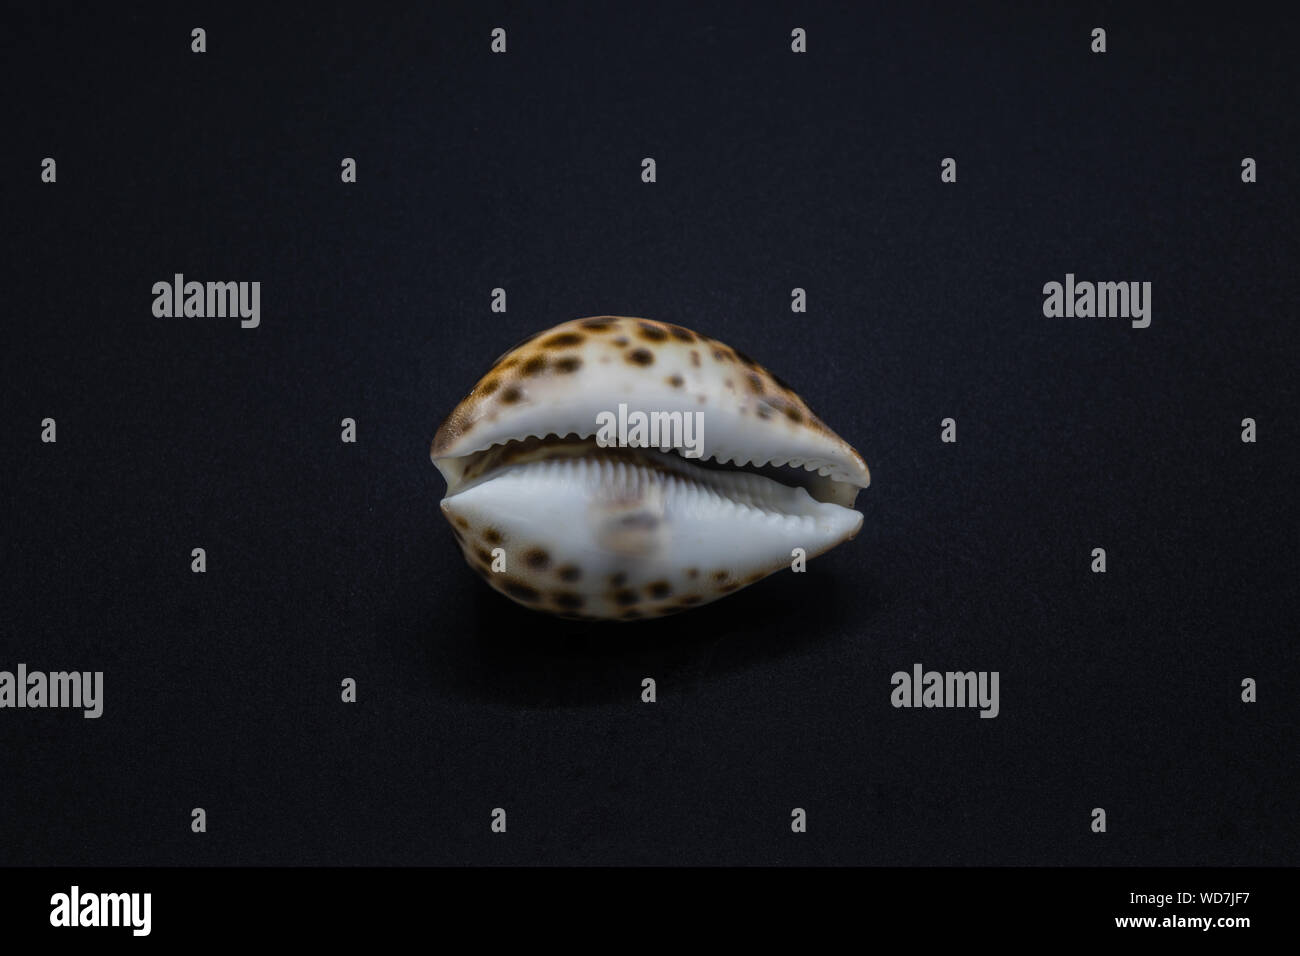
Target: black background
x=328, y=560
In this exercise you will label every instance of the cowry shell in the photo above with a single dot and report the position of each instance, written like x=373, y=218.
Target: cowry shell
x=621, y=533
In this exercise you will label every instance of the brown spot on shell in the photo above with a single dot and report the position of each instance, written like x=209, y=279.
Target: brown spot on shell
x=510, y=362
x=746, y=359
x=659, y=589
x=681, y=334
x=651, y=333
x=729, y=587
x=511, y=395
x=720, y=355
x=534, y=365
x=489, y=386
x=562, y=340
x=676, y=381
x=492, y=536
x=695, y=357
x=755, y=383
x=567, y=600
x=692, y=572
x=721, y=575
x=462, y=521
x=764, y=410
x=618, y=580
x=625, y=597
x=597, y=324
x=621, y=341
x=537, y=559
x=794, y=414
x=641, y=357
x=484, y=556
x=570, y=364
x=570, y=572
x=688, y=600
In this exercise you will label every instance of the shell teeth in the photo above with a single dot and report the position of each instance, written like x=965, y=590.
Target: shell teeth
x=748, y=495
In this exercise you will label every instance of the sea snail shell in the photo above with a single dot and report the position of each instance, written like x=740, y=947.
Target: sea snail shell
x=585, y=528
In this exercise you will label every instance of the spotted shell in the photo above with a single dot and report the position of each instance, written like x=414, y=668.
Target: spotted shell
x=558, y=523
